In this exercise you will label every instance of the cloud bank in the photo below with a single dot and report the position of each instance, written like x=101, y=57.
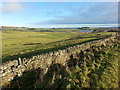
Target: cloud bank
x=100, y=13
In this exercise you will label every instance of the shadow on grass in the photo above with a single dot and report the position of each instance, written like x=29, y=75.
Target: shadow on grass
x=27, y=80
x=36, y=78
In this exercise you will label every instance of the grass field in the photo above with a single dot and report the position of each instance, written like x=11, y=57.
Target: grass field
x=16, y=43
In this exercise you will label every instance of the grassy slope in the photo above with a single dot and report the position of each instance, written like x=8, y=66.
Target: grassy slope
x=98, y=70
x=14, y=41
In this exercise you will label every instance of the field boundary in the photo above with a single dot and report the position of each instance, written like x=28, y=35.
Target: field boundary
x=11, y=69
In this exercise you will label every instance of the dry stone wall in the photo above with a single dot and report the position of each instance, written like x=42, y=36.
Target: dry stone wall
x=11, y=69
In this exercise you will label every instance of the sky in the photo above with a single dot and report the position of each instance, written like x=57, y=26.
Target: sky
x=58, y=13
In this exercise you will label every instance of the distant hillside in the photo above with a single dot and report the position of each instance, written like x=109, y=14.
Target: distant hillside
x=7, y=28
x=13, y=28
x=99, y=29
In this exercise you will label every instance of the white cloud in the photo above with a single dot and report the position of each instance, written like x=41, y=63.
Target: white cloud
x=11, y=7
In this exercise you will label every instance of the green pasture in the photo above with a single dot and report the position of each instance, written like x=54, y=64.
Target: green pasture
x=15, y=43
